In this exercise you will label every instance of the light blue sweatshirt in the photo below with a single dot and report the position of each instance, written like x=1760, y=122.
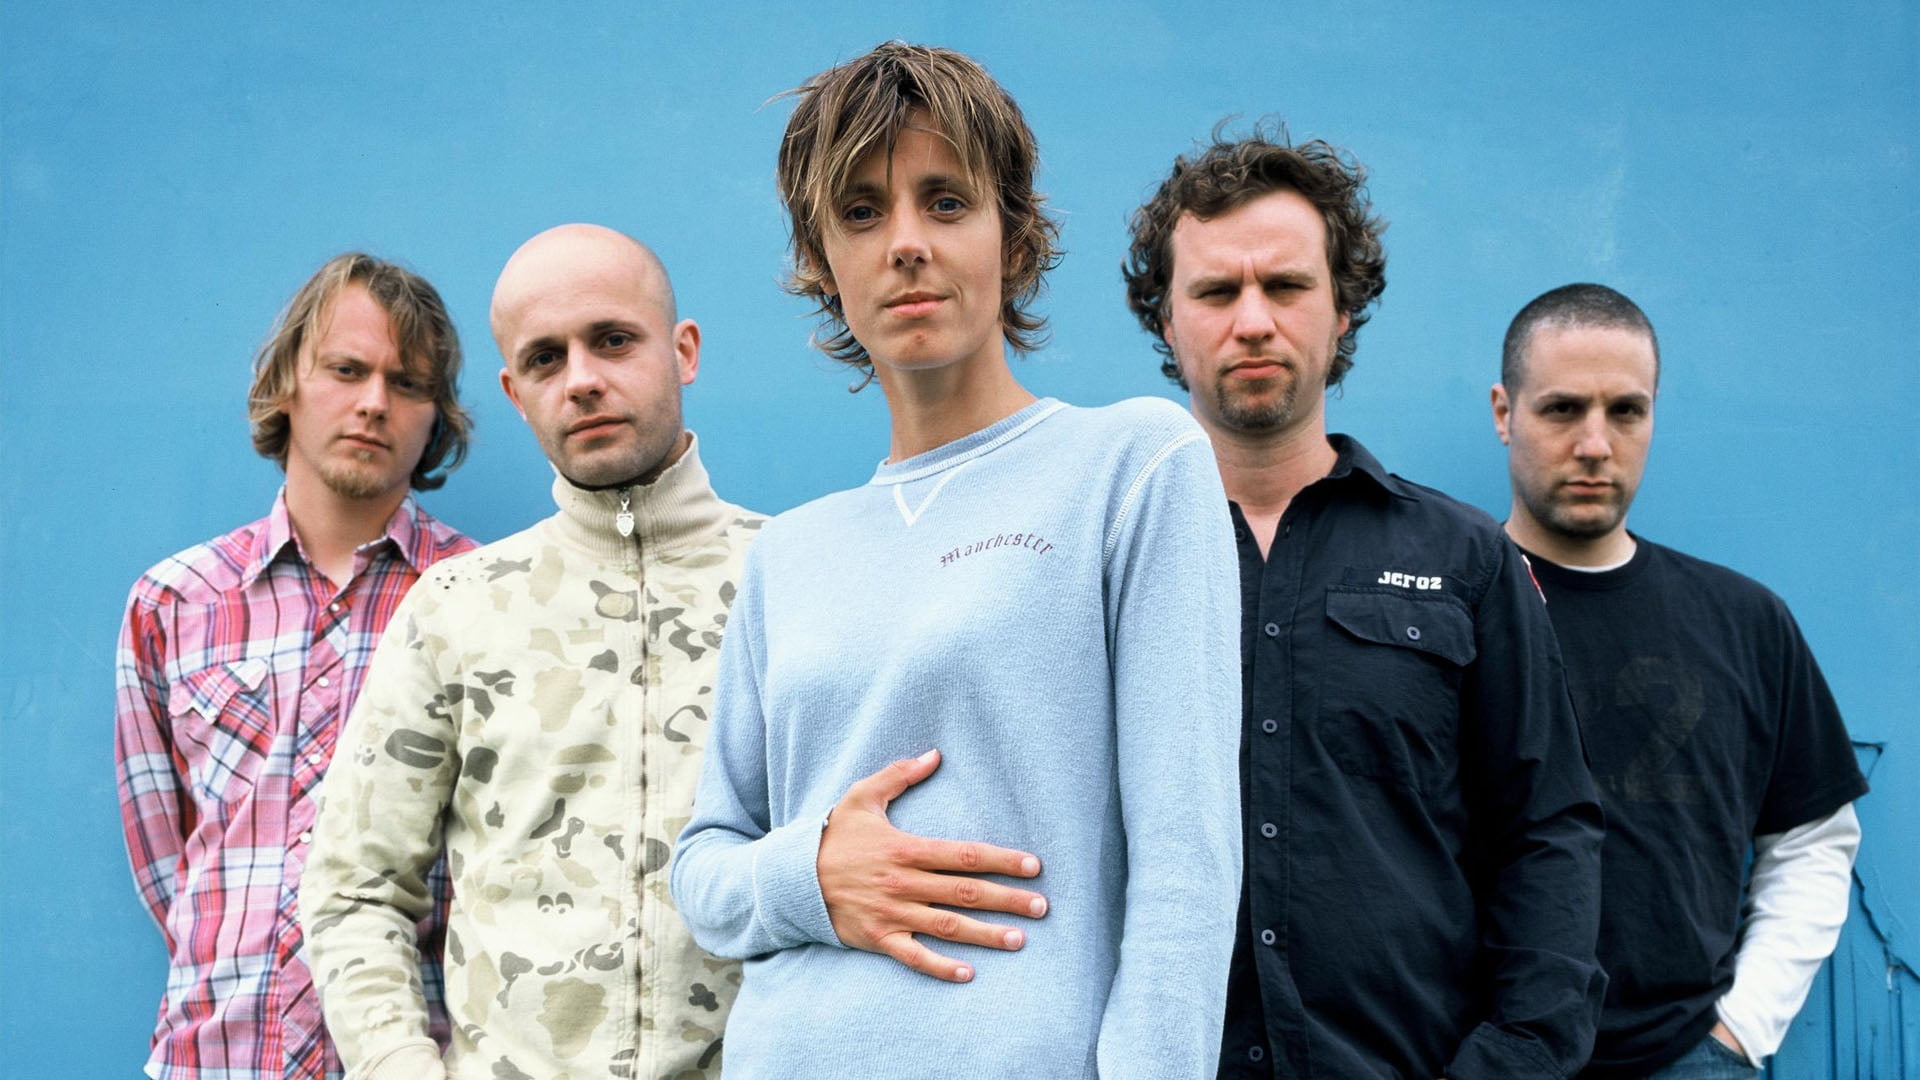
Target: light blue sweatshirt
x=1053, y=603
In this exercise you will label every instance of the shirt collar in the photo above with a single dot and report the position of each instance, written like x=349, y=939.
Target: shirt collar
x=407, y=529
x=1353, y=460
x=677, y=510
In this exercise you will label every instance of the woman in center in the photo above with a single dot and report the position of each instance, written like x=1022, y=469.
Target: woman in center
x=970, y=805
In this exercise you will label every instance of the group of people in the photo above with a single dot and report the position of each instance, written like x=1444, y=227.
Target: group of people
x=971, y=770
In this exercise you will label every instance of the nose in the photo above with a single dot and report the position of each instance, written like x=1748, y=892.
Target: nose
x=1592, y=443
x=1252, y=316
x=584, y=378
x=907, y=240
x=373, y=396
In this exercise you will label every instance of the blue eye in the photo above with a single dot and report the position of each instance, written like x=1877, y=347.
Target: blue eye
x=861, y=214
x=948, y=204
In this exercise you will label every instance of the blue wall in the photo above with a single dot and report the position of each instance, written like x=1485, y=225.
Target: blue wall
x=169, y=173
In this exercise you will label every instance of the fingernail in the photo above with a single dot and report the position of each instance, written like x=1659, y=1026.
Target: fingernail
x=1029, y=865
x=1038, y=905
x=924, y=759
x=964, y=974
x=1015, y=939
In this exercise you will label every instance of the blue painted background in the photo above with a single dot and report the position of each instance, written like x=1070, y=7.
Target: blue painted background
x=169, y=173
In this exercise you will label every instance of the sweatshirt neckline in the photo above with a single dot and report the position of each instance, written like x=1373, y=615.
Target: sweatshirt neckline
x=966, y=447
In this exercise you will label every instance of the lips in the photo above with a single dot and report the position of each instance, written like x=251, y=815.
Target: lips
x=1257, y=368
x=1589, y=487
x=594, y=425
x=914, y=304
x=363, y=442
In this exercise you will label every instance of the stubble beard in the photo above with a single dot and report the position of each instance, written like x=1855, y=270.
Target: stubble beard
x=359, y=480
x=601, y=471
x=1241, y=411
x=1585, y=520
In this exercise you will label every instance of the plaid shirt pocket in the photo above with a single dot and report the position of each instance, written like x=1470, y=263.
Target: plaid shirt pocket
x=223, y=721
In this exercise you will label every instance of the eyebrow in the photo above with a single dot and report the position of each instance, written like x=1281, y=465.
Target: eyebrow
x=1557, y=397
x=1208, y=280
x=859, y=189
x=594, y=329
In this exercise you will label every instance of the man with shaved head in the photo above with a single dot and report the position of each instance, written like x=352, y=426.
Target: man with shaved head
x=537, y=713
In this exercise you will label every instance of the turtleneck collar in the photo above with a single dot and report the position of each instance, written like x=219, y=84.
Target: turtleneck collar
x=677, y=510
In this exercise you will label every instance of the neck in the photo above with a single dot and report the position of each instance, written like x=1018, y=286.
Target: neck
x=933, y=408
x=1263, y=472
x=1610, y=549
x=331, y=526
x=679, y=450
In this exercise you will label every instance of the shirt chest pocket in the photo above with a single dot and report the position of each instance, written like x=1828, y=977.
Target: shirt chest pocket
x=223, y=725
x=1390, y=685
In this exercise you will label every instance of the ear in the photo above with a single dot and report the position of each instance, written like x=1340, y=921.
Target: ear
x=1346, y=320
x=506, y=383
x=1502, y=412
x=686, y=349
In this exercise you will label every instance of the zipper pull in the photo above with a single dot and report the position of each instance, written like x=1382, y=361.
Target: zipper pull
x=624, y=519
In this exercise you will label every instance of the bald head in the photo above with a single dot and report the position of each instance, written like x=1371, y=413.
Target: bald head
x=557, y=259
x=595, y=354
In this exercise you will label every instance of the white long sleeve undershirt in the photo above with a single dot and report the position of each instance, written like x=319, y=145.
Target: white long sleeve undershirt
x=1796, y=901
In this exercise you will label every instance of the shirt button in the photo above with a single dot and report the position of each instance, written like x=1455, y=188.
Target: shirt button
x=1269, y=726
x=307, y=838
x=1413, y=633
x=1255, y=1053
x=1268, y=830
x=324, y=681
x=333, y=607
x=1266, y=937
x=1273, y=629
x=316, y=760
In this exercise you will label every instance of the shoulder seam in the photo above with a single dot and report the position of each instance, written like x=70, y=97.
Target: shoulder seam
x=1133, y=490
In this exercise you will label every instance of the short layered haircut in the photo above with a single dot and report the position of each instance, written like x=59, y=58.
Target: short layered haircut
x=429, y=348
x=860, y=108
x=1579, y=304
x=1231, y=173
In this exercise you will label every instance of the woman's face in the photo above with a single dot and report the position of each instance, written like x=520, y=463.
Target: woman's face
x=914, y=253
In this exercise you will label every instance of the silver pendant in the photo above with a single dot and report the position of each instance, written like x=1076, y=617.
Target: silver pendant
x=624, y=522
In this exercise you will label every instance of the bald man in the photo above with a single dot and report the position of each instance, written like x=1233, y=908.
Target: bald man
x=537, y=711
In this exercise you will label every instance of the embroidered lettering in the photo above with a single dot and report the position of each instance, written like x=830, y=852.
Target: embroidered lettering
x=1033, y=542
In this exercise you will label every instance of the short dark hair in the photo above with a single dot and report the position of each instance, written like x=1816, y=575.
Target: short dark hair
x=429, y=348
x=1580, y=304
x=860, y=108
x=1231, y=173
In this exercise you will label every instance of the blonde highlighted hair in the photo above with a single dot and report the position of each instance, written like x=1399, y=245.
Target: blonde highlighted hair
x=859, y=108
x=429, y=348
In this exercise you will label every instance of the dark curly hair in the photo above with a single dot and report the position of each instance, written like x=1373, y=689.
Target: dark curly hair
x=1226, y=176
x=860, y=108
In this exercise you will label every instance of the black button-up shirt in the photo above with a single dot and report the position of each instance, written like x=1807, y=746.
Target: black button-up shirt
x=1422, y=833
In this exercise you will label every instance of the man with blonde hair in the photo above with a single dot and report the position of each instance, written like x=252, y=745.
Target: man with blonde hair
x=538, y=715
x=239, y=658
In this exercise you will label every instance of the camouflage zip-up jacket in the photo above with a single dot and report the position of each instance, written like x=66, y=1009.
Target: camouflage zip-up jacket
x=538, y=708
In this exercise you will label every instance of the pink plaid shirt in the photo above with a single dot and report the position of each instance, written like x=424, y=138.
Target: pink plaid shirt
x=237, y=663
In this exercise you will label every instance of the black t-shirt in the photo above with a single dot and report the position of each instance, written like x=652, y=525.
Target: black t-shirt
x=1707, y=723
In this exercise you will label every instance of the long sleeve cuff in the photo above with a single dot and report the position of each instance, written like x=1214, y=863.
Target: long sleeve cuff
x=411, y=1060
x=1489, y=1053
x=1796, y=903
x=786, y=884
